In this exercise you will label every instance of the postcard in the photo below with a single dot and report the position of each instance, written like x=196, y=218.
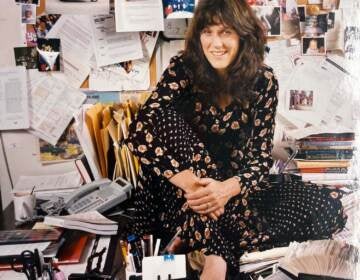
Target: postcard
x=27, y=57
x=66, y=149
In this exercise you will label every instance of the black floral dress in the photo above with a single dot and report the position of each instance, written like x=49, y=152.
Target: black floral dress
x=178, y=128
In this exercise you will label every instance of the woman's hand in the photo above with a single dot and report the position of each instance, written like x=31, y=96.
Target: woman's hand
x=213, y=197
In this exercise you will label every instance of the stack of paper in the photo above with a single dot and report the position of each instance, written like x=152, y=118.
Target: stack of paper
x=92, y=222
x=327, y=258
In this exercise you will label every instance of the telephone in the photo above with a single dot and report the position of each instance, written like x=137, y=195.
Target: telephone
x=99, y=195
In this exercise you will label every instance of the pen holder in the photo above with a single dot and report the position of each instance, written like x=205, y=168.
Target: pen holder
x=132, y=275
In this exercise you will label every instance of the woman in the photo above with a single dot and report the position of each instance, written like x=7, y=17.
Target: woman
x=204, y=140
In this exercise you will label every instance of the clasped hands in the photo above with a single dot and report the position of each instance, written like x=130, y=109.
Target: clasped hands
x=208, y=197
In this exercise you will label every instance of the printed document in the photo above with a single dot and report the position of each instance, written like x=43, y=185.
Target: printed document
x=10, y=30
x=77, y=46
x=140, y=15
x=112, y=47
x=52, y=106
x=14, y=111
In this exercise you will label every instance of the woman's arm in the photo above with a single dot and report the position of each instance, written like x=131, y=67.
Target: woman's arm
x=257, y=154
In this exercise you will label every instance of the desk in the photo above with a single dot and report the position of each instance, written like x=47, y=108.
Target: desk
x=112, y=263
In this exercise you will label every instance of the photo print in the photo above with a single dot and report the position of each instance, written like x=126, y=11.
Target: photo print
x=28, y=13
x=301, y=100
x=27, y=57
x=49, y=54
x=301, y=12
x=36, y=2
x=178, y=8
x=316, y=25
x=76, y=7
x=330, y=4
x=290, y=20
x=270, y=19
x=331, y=20
x=44, y=23
x=67, y=148
x=313, y=46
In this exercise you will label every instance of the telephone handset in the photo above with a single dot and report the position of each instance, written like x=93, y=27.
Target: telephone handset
x=99, y=195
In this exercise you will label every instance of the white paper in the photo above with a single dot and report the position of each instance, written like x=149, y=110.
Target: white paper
x=306, y=80
x=164, y=266
x=86, y=7
x=11, y=31
x=14, y=111
x=76, y=45
x=117, y=79
x=52, y=106
x=140, y=15
x=16, y=249
x=48, y=182
x=112, y=47
x=133, y=75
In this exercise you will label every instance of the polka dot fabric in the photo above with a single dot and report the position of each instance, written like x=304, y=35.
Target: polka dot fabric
x=178, y=128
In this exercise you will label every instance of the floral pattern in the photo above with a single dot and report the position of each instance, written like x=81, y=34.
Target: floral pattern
x=178, y=128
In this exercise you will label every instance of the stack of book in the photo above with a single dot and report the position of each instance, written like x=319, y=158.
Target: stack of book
x=326, y=158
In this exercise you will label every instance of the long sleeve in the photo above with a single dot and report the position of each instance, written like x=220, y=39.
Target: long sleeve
x=147, y=138
x=257, y=153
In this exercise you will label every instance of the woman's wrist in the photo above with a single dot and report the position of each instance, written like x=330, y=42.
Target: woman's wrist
x=233, y=187
x=185, y=180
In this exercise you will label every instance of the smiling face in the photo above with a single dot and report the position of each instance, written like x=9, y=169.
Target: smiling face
x=220, y=44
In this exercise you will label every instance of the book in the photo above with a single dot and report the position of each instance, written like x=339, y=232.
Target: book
x=22, y=236
x=83, y=167
x=320, y=259
x=321, y=163
x=91, y=221
x=324, y=170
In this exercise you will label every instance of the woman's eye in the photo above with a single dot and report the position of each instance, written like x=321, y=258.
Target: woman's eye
x=227, y=32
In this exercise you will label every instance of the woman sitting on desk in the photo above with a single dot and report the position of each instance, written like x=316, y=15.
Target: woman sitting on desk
x=204, y=140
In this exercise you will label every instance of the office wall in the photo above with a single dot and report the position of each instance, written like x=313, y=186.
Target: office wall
x=21, y=157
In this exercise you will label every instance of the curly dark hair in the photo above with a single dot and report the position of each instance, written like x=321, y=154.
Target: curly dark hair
x=241, y=73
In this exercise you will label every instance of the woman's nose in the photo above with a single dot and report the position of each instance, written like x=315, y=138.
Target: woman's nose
x=217, y=41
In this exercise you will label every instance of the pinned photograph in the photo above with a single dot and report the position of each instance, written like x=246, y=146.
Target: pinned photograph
x=37, y=2
x=313, y=46
x=178, y=8
x=49, y=54
x=301, y=12
x=290, y=19
x=270, y=19
x=44, y=23
x=331, y=20
x=330, y=4
x=301, y=100
x=78, y=7
x=66, y=149
x=28, y=13
x=27, y=57
x=315, y=25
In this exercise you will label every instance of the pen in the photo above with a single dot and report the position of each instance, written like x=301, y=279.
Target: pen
x=157, y=246
x=32, y=191
x=170, y=242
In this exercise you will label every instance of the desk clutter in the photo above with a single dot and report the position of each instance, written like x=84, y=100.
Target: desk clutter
x=73, y=75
